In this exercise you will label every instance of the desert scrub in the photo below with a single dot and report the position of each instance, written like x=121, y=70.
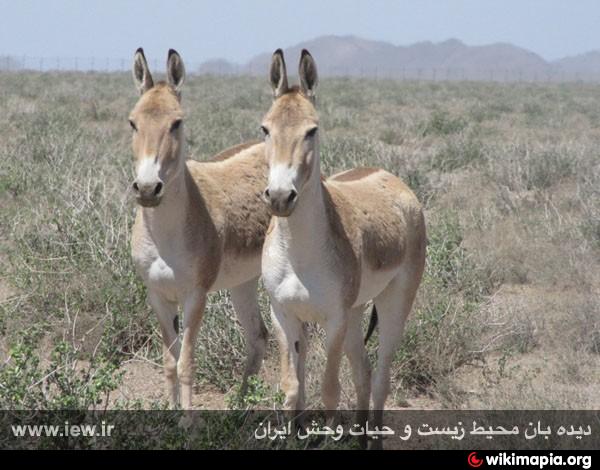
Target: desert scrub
x=335, y=152
x=66, y=237
x=221, y=346
x=64, y=380
x=439, y=334
x=524, y=168
x=220, y=351
x=441, y=123
x=259, y=395
x=458, y=153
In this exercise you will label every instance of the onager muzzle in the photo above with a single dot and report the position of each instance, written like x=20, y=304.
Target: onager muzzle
x=281, y=201
x=148, y=194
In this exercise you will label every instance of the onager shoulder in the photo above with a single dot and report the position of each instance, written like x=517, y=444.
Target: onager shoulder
x=378, y=212
x=231, y=186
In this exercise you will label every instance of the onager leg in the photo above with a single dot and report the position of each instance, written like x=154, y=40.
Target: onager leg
x=292, y=352
x=245, y=302
x=193, y=313
x=354, y=348
x=334, y=342
x=393, y=307
x=168, y=320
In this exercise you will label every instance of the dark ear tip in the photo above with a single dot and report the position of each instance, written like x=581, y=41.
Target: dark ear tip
x=278, y=52
x=305, y=53
x=172, y=52
x=140, y=50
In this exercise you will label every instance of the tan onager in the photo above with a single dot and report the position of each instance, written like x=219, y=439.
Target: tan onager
x=199, y=226
x=332, y=246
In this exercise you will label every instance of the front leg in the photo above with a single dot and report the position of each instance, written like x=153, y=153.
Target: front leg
x=354, y=348
x=335, y=330
x=292, y=350
x=193, y=309
x=166, y=312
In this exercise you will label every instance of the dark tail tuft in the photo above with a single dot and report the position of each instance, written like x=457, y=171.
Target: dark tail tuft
x=372, y=323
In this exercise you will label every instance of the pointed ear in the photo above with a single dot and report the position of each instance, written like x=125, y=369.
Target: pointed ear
x=278, y=74
x=141, y=73
x=175, y=70
x=307, y=72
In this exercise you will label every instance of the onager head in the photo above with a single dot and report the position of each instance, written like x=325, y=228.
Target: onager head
x=291, y=137
x=156, y=121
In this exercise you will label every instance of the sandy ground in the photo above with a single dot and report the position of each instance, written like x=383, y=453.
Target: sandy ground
x=541, y=375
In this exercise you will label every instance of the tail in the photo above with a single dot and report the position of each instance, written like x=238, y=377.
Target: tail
x=372, y=323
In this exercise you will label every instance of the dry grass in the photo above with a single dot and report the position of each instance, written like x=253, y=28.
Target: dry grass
x=508, y=315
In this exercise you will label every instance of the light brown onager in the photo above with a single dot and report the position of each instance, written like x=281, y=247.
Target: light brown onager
x=199, y=226
x=334, y=245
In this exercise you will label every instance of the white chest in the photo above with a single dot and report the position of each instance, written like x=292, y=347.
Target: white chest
x=305, y=287
x=159, y=272
x=168, y=270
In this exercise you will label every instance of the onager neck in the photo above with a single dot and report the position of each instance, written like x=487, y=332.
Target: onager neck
x=307, y=224
x=164, y=221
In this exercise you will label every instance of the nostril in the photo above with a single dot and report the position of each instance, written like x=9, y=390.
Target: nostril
x=136, y=187
x=157, y=189
x=292, y=196
x=267, y=194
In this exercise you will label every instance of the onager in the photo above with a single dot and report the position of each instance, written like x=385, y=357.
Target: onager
x=332, y=246
x=199, y=226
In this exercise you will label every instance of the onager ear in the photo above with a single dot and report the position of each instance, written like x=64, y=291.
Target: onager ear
x=141, y=74
x=307, y=72
x=175, y=70
x=278, y=74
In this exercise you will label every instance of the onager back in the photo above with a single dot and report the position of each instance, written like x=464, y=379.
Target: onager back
x=332, y=246
x=199, y=226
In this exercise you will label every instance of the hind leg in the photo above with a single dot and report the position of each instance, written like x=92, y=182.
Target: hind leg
x=354, y=348
x=335, y=331
x=245, y=303
x=393, y=306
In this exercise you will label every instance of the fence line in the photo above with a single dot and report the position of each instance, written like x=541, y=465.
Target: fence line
x=107, y=64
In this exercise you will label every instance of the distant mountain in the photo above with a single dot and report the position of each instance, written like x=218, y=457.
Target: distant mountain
x=584, y=66
x=218, y=67
x=451, y=59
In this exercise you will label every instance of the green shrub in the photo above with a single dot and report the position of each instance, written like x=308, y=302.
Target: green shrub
x=441, y=123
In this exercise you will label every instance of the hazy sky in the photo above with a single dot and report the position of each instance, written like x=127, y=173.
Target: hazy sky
x=238, y=29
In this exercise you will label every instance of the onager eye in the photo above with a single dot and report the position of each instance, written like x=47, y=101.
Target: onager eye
x=311, y=132
x=175, y=125
x=264, y=130
x=132, y=124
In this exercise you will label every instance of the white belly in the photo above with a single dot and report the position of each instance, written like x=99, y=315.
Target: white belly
x=236, y=270
x=372, y=283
